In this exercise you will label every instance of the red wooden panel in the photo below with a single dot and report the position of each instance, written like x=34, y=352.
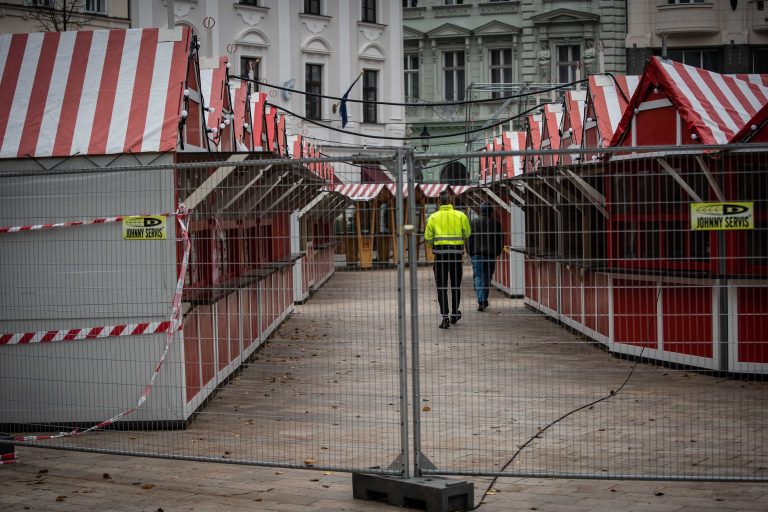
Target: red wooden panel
x=752, y=321
x=687, y=320
x=590, y=301
x=657, y=127
x=575, y=295
x=565, y=290
x=207, y=347
x=603, y=296
x=222, y=341
x=234, y=325
x=634, y=313
x=552, y=276
x=245, y=297
x=191, y=356
x=253, y=319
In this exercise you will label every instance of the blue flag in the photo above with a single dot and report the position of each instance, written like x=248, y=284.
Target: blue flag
x=343, y=103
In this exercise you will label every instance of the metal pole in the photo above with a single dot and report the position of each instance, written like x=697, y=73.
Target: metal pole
x=413, y=267
x=404, y=462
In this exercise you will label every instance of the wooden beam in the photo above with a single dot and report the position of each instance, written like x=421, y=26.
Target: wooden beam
x=679, y=179
x=593, y=195
x=213, y=181
x=710, y=179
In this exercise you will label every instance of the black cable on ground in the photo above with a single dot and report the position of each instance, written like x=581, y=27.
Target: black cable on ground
x=611, y=394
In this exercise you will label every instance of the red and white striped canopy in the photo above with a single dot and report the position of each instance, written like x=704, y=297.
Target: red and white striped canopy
x=360, y=191
x=573, y=115
x=533, y=131
x=434, y=189
x=712, y=106
x=392, y=187
x=514, y=141
x=91, y=93
x=607, y=97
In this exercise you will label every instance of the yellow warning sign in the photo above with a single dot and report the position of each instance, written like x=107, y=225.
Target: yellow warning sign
x=722, y=216
x=145, y=227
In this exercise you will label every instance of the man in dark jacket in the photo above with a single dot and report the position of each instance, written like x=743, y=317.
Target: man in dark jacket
x=485, y=244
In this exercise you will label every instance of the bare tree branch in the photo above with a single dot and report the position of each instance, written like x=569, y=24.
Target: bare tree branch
x=56, y=15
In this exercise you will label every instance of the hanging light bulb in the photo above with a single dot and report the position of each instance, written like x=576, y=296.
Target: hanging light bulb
x=184, y=114
x=214, y=131
x=227, y=121
x=246, y=126
x=222, y=126
x=211, y=109
x=186, y=93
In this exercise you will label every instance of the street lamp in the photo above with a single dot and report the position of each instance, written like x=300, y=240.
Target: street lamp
x=424, y=138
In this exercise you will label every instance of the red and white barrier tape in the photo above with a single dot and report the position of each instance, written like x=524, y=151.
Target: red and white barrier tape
x=9, y=458
x=103, y=220
x=85, y=333
x=174, y=324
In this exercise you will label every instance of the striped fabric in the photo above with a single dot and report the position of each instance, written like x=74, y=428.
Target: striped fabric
x=360, y=191
x=533, y=131
x=514, y=141
x=573, y=116
x=434, y=189
x=241, y=109
x=712, y=106
x=607, y=103
x=91, y=93
x=219, y=102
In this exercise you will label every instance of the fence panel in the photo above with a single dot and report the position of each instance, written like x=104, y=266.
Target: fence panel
x=231, y=327
x=632, y=349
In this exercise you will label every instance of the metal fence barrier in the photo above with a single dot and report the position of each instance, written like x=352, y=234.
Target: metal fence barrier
x=284, y=313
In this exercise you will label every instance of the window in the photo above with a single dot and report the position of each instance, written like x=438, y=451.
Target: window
x=567, y=63
x=95, y=6
x=253, y=3
x=501, y=68
x=249, y=68
x=411, y=73
x=705, y=59
x=677, y=2
x=369, y=11
x=760, y=4
x=410, y=3
x=370, y=93
x=40, y=3
x=760, y=60
x=454, y=2
x=453, y=67
x=314, y=85
x=311, y=6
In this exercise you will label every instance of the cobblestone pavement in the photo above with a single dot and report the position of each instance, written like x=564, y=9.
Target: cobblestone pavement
x=325, y=388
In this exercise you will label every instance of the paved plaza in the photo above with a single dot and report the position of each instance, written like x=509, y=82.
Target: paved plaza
x=324, y=393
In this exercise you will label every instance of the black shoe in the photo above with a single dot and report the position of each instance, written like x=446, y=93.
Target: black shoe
x=445, y=324
x=455, y=317
x=480, y=307
x=485, y=305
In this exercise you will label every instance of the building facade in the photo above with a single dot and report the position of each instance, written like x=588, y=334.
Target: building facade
x=20, y=16
x=726, y=36
x=321, y=46
x=462, y=50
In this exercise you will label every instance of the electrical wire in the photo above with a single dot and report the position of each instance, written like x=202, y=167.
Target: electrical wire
x=425, y=104
x=611, y=394
x=416, y=137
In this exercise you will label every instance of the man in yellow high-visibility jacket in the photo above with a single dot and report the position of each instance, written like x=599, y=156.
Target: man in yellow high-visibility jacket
x=447, y=232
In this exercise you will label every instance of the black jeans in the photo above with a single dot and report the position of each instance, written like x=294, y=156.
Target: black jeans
x=448, y=267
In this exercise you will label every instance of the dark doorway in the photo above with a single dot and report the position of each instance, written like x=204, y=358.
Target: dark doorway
x=454, y=174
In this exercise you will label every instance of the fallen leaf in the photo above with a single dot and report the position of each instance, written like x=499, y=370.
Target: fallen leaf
x=426, y=408
x=106, y=476
x=60, y=498
x=327, y=473
x=309, y=461
x=278, y=472
x=42, y=471
x=147, y=486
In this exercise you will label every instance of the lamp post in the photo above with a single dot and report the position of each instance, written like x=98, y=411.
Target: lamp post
x=424, y=138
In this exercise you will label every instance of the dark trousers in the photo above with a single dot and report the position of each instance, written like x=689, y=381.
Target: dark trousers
x=448, y=268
